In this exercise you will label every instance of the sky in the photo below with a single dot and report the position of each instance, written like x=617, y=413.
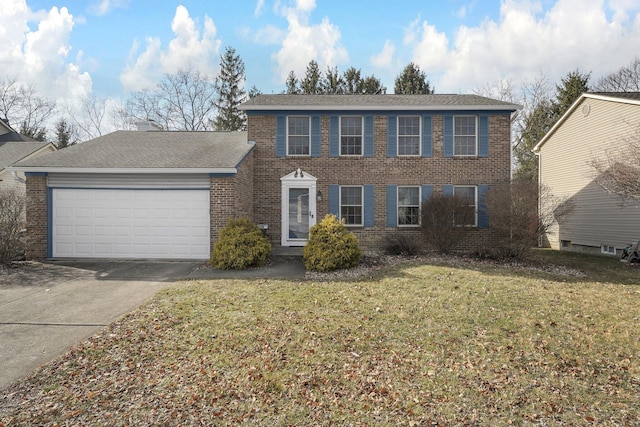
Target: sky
x=69, y=49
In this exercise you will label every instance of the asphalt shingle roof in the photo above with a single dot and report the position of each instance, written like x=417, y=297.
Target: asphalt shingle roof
x=373, y=102
x=160, y=149
x=14, y=151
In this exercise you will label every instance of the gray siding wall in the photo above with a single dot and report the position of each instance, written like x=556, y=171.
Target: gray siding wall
x=598, y=218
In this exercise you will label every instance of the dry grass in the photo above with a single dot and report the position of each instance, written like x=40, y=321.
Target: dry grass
x=457, y=344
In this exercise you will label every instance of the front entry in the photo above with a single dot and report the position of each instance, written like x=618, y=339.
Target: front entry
x=298, y=207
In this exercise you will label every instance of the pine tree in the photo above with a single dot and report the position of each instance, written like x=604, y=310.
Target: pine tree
x=63, y=134
x=231, y=93
x=311, y=83
x=292, y=84
x=412, y=81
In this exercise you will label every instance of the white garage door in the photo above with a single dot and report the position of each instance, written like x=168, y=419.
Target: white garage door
x=105, y=223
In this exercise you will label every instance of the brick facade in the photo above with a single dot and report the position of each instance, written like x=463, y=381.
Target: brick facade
x=231, y=197
x=36, y=207
x=378, y=170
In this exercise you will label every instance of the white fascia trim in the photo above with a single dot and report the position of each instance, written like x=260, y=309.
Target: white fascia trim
x=124, y=170
x=538, y=147
x=512, y=107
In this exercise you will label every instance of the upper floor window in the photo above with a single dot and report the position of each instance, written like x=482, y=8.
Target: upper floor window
x=470, y=193
x=465, y=136
x=351, y=206
x=351, y=136
x=409, y=206
x=298, y=135
x=409, y=136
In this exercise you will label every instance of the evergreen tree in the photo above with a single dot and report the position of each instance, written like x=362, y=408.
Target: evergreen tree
x=253, y=92
x=570, y=89
x=535, y=126
x=311, y=83
x=292, y=84
x=230, y=92
x=63, y=134
x=332, y=82
x=372, y=86
x=541, y=118
x=352, y=81
x=412, y=81
x=34, y=132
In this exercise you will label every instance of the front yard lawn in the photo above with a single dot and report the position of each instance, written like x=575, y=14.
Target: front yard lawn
x=450, y=343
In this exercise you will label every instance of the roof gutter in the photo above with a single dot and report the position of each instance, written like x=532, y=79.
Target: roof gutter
x=513, y=107
x=53, y=169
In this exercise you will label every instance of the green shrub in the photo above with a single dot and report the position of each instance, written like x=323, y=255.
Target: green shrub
x=331, y=246
x=241, y=244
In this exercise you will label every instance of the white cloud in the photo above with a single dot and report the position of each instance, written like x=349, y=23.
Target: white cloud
x=190, y=48
x=304, y=42
x=40, y=56
x=105, y=6
x=593, y=35
x=384, y=59
x=259, y=8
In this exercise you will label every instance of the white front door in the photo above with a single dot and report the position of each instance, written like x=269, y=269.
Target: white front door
x=298, y=207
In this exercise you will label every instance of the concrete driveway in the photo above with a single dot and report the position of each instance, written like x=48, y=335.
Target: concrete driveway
x=45, y=308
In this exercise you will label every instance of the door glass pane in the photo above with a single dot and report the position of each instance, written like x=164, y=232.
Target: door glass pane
x=298, y=213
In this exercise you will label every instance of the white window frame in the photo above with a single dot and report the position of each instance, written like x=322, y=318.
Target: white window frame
x=398, y=206
x=475, y=154
x=475, y=205
x=399, y=136
x=361, y=136
x=308, y=137
x=608, y=249
x=361, y=187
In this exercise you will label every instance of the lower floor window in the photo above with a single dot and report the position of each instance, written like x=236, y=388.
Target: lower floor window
x=470, y=194
x=606, y=249
x=351, y=205
x=408, y=206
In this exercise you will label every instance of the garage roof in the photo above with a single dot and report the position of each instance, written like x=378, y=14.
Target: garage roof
x=146, y=151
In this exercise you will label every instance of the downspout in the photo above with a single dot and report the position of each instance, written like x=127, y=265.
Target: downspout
x=17, y=178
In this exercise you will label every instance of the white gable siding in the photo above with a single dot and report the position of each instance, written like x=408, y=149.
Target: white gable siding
x=597, y=218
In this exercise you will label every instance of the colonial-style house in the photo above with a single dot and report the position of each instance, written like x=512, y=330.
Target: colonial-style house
x=370, y=159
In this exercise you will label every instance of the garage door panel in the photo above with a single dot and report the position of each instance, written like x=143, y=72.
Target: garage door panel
x=120, y=223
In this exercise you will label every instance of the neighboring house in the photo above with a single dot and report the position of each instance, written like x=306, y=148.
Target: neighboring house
x=369, y=159
x=596, y=124
x=13, y=148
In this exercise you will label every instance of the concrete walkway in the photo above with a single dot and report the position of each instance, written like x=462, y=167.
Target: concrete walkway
x=45, y=308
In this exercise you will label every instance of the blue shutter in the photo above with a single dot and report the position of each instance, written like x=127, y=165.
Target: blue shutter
x=368, y=136
x=392, y=136
x=483, y=218
x=447, y=190
x=427, y=135
x=315, y=136
x=447, y=133
x=281, y=136
x=369, y=213
x=334, y=136
x=334, y=200
x=427, y=191
x=392, y=205
x=483, y=136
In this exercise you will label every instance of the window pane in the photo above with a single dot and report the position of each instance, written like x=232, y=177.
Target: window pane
x=351, y=136
x=408, y=136
x=408, y=205
x=351, y=205
x=299, y=139
x=468, y=193
x=464, y=142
